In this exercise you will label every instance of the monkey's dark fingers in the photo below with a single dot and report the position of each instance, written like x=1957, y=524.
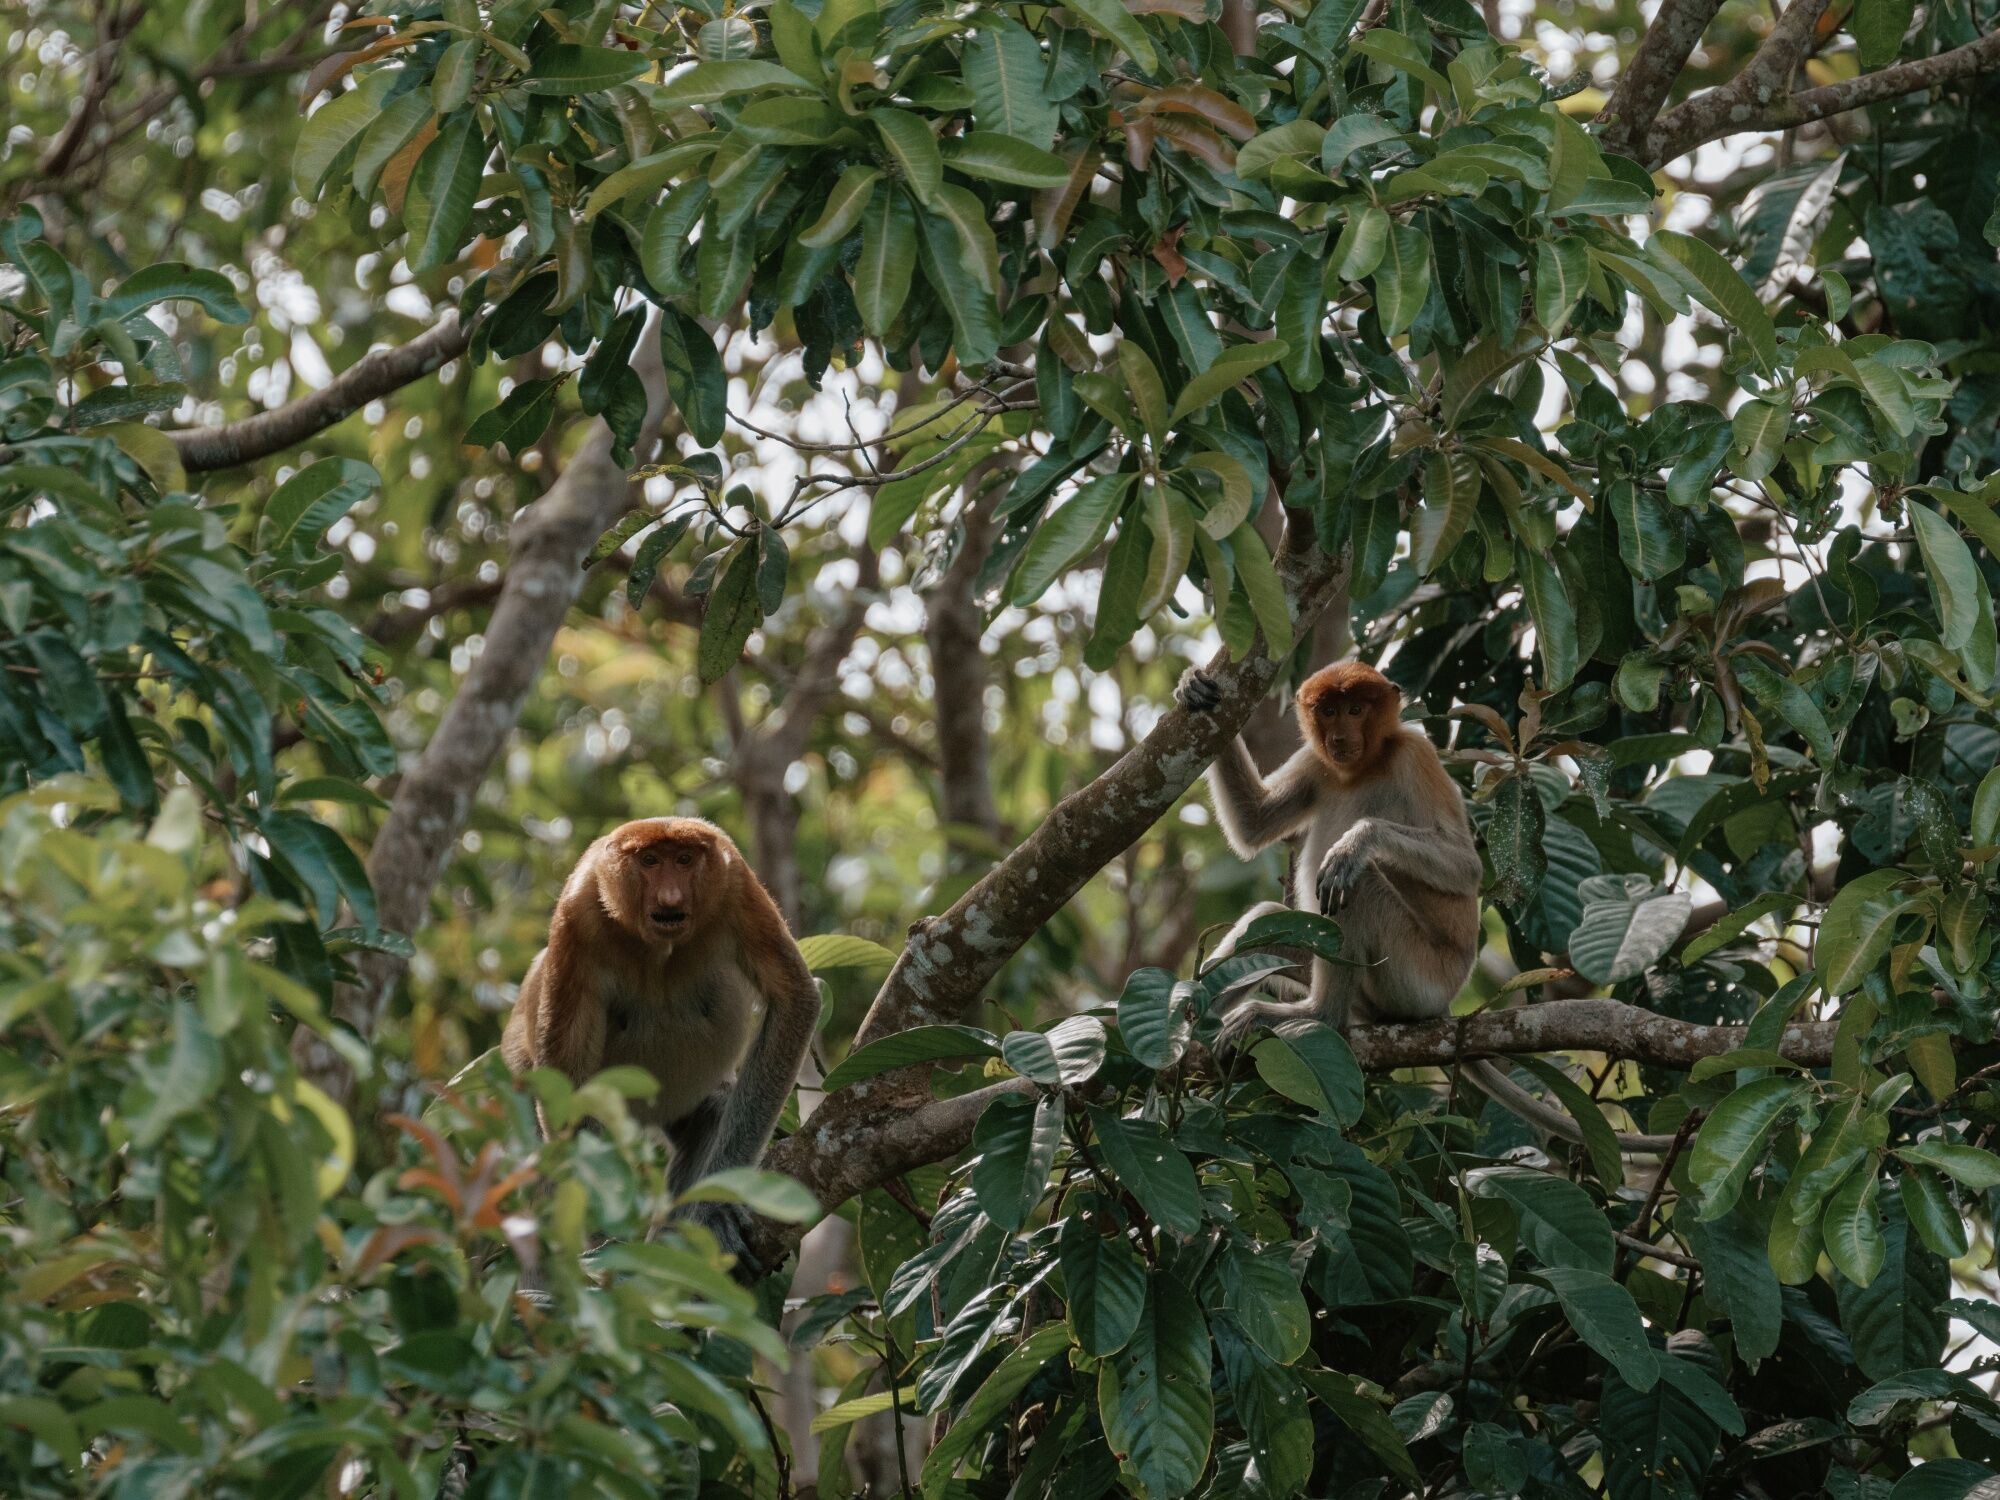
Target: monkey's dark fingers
x=1197, y=692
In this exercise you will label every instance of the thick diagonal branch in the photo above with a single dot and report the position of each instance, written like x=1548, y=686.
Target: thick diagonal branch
x=1647, y=80
x=369, y=378
x=949, y=959
x=1706, y=118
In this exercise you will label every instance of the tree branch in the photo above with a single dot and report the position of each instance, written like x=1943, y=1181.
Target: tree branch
x=883, y=1127
x=374, y=375
x=99, y=75
x=1700, y=119
x=949, y=959
x=1647, y=80
x=549, y=541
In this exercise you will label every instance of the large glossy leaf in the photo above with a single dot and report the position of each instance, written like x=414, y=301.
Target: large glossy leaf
x=920, y=1044
x=888, y=259
x=1951, y=573
x=1260, y=1291
x=1316, y=1067
x=1028, y=1359
x=1068, y=1053
x=1070, y=535
x=1110, y=20
x=1003, y=67
x=1720, y=285
x=695, y=377
x=1859, y=924
x=1557, y=1219
x=1104, y=1284
x=1607, y=1319
x=1154, y=1393
x=1154, y=1017
x=438, y=209
x=326, y=138
x=1151, y=1167
x=1627, y=924
x=1732, y=1139
x=1015, y=1147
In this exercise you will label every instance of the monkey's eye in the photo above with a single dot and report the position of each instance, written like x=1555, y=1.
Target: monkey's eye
x=686, y=859
x=649, y=859
x=1355, y=710
x=1327, y=706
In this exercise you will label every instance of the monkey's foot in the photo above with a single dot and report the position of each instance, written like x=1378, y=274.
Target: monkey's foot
x=1238, y=1021
x=1198, y=692
x=730, y=1224
x=1338, y=874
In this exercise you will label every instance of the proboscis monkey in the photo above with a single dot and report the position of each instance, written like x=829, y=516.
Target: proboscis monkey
x=666, y=953
x=1388, y=849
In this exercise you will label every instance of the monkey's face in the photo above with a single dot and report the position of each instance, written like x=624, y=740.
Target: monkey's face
x=1346, y=727
x=664, y=881
x=1348, y=713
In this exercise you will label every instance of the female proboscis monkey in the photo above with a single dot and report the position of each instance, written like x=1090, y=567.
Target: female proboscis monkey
x=1388, y=850
x=666, y=953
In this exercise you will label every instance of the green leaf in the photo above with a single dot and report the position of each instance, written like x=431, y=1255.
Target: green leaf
x=1451, y=495
x=171, y=281
x=1562, y=274
x=1070, y=535
x=301, y=509
x=771, y=1194
x=1759, y=430
x=1928, y=1206
x=1142, y=384
x=1104, y=1284
x=733, y=610
x=1732, y=1139
x=962, y=263
x=1349, y=134
x=1738, y=1273
x=1555, y=621
x=1558, y=1220
x=1739, y=921
x=1627, y=924
x=1514, y=841
x=457, y=72
x=1852, y=1227
x=1002, y=64
x=1316, y=1068
x=178, y=1082
x=1031, y=1357
x=1154, y=1393
x=905, y=1049
x=334, y=127
x=1650, y=538
x=438, y=208
x=1260, y=1291
x=646, y=176
x=888, y=260
x=1855, y=933
x=1002, y=158
x=1231, y=368
x=1067, y=1054
x=1015, y=1144
x=1387, y=45
x=1361, y=246
x=695, y=378
x=1899, y=1321
x=1403, y=279
x=1152, y=1168
x=839, y=950
x=1879, y=27
x=568, y=69
x=1305, y=929
x=1968, y=1165
x=913, y=148
x=1153, y=1017
x=520, y=419
x=735, y=78
x=1263, y=588
x=1110, y=20
x=1720, y=286
x=1293, y=139
x=1951, y=573
x=1607, y=1319
x=1659, y=1443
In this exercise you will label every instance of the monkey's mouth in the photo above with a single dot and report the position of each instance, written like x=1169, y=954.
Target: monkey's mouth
x=670, y=918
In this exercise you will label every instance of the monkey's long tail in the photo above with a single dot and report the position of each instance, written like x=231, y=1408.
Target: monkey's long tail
x=1546, y=1116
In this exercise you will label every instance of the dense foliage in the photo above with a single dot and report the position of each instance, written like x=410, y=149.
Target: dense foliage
x=1684, y=540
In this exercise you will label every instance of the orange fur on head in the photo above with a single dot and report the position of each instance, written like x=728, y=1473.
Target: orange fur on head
x=1351, y=715
x=660, y=876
